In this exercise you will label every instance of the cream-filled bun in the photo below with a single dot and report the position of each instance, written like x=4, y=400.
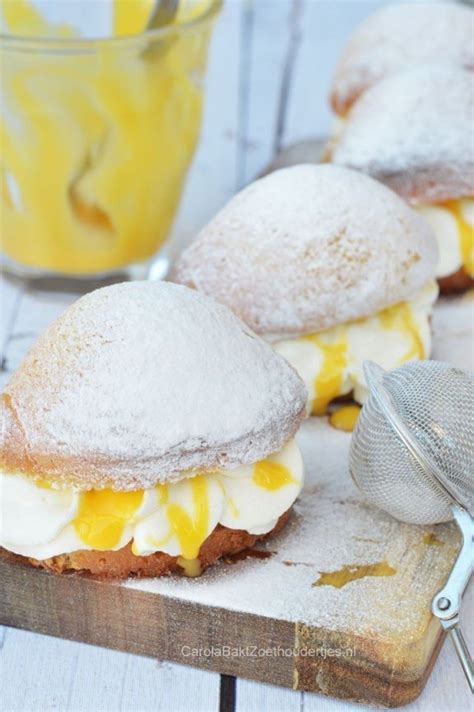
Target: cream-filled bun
x=327, y=264
x=148, y=429
x=414, y=132
x=398, y=37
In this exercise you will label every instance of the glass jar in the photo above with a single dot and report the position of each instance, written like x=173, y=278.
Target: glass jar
x=96, y=140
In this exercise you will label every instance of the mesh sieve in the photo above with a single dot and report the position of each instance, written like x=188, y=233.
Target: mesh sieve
x=412, y=452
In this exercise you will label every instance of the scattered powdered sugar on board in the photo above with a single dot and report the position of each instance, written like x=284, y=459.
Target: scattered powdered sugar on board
x=332, y=527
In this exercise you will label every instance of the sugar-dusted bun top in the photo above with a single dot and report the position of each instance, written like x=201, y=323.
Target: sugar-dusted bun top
x=138, y=382
x=399, y=36
x=309, y=247
x=414, y=131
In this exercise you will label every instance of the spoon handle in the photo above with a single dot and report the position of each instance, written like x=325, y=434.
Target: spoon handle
x=163, y=13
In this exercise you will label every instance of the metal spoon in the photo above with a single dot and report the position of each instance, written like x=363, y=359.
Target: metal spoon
x=163, y=13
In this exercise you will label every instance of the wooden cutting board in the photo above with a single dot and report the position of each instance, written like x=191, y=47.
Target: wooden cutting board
x=338, y=603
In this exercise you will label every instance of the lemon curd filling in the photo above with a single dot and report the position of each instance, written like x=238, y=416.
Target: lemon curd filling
x=329, y=379
x=191, y=530
x=102, y=516
x=345, y=418
x=453, y=225
x=331, y=362
x=96, y=144
x=271, y=475
x=40, y=521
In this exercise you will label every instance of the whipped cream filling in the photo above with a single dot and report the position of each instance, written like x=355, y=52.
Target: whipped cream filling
x=331, y=362
x=453, y=226
x=39, y=521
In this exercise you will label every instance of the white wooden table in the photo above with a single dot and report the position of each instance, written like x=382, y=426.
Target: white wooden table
x=269, y=70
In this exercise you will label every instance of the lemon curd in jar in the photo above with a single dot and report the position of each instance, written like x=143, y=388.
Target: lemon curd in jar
x=97, y=136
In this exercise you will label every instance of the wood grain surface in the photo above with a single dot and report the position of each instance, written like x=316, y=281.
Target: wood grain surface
x=143, y=623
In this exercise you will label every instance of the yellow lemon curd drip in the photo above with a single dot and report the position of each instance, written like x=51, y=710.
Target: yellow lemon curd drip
x=191, y=531
x=102, y=516
x=345, y=418
x=400, y=318
x=466, y=235
x=191, y=567
x=271, y=475
x=335, y=347
x=328, y=382
x=44, y=483
x=95, y=145
x=163, y=493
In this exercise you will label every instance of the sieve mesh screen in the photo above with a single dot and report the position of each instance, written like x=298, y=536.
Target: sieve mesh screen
x=435, y=401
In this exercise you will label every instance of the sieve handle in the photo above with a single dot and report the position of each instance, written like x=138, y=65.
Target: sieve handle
x=447, y=602
x=463, y=654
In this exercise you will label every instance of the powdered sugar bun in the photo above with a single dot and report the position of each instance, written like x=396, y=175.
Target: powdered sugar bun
x=309, y=247
x=414, y=132
x=140, y=382
x=398, y=37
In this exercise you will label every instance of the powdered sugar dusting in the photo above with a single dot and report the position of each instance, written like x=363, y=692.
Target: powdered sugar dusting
x=139, y=382
x=414, y=132
x=401, y=36
x=309, y=247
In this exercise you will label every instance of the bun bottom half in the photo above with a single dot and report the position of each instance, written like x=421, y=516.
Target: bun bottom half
x=123, y=563
x=455, y=283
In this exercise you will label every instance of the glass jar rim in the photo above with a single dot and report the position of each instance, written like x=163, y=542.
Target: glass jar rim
x=80, y=45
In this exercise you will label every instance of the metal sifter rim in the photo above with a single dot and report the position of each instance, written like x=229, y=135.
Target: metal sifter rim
x=375, y=375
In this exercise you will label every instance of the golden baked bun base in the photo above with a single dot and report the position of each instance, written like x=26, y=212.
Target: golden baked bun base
x=123, y=563
x=455, y=283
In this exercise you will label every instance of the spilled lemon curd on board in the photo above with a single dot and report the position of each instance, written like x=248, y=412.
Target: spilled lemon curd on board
x=331, y=362
x=96, y=144
x=40, y=521
x=349, y=573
